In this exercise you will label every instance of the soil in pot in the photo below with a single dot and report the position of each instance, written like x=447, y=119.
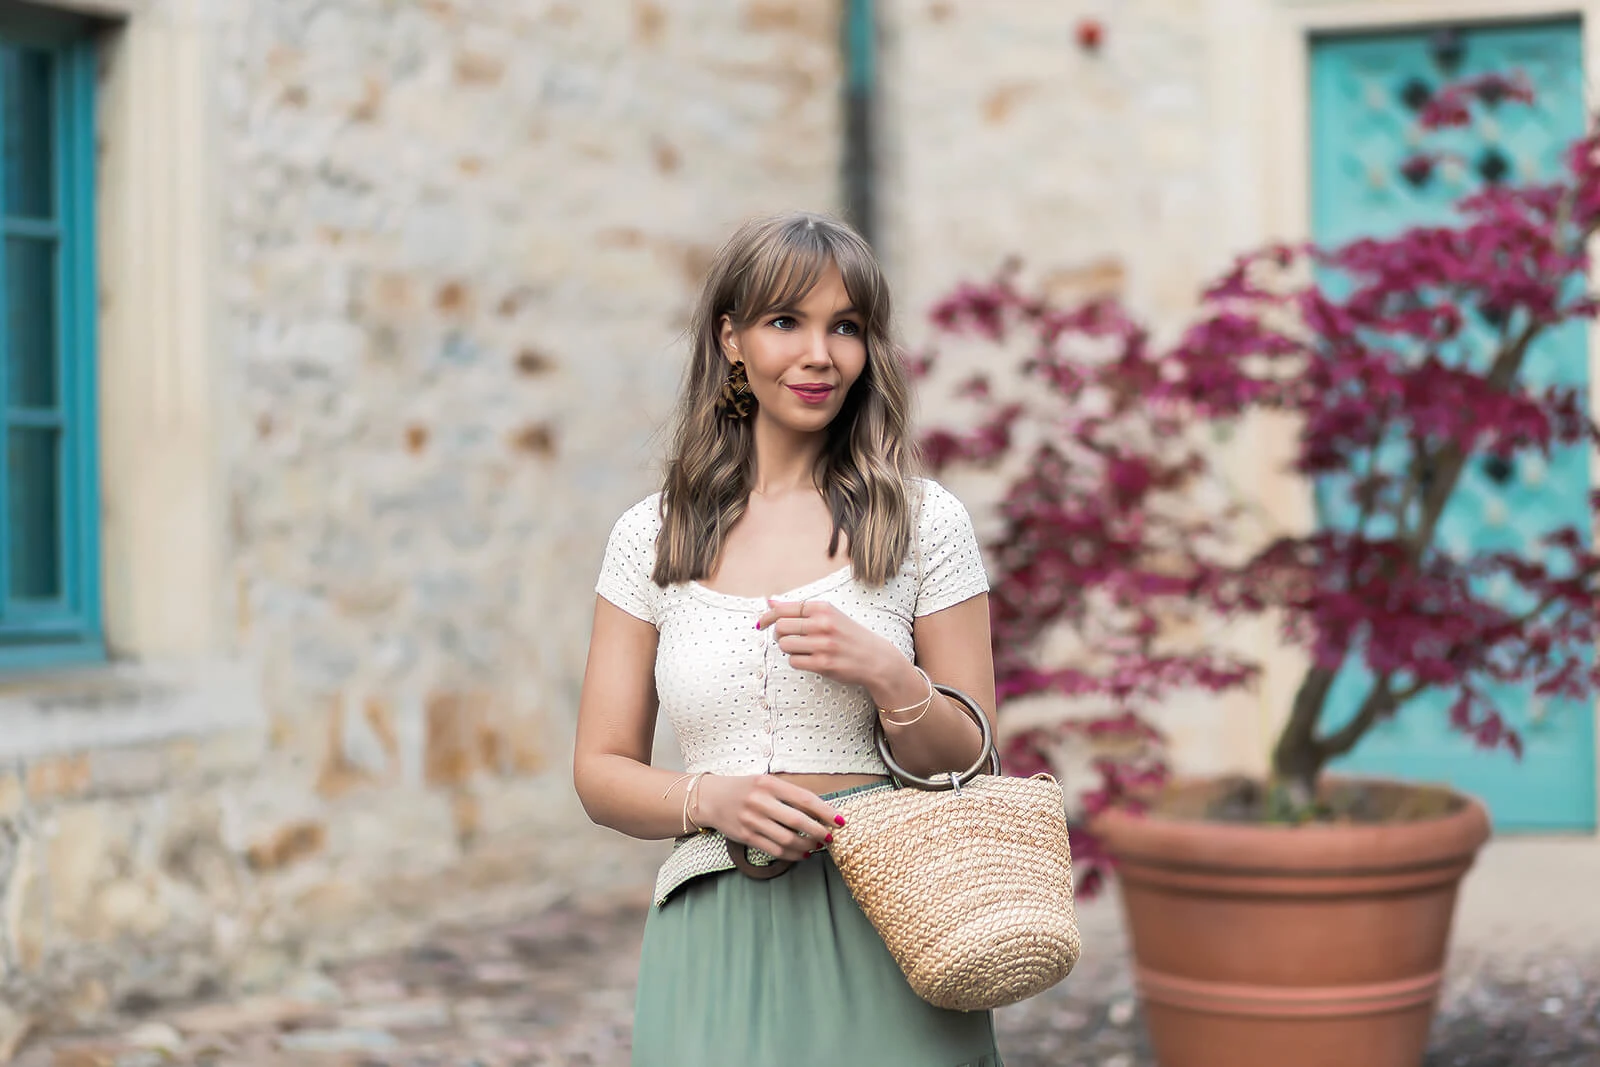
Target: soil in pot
x=1273, y=945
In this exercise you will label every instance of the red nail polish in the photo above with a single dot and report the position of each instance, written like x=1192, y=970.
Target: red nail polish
x=838, y=820
x=829, y=839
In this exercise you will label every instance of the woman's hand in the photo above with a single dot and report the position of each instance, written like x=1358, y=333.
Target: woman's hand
x=768, y=813
x=818, y=637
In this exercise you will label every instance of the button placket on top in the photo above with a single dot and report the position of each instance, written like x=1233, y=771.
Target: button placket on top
x=764, y=699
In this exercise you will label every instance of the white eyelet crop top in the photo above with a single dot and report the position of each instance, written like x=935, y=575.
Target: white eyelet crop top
x=733, y=700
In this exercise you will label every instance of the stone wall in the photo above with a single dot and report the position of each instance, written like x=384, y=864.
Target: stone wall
x=463, y=241
x=458, y=242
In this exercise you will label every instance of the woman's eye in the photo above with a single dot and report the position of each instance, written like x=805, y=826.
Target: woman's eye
x=783, y=322
x=849, y=329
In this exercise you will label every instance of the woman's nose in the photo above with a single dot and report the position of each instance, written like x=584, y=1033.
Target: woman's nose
x=817, y=353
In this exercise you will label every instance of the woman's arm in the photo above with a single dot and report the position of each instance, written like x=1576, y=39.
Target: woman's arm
x=952, y=645
x=616, y=731
x=611, y=759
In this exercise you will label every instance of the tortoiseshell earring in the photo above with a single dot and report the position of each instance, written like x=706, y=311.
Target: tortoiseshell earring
x=736, y=396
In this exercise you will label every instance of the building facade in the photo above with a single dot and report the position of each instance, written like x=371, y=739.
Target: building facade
x=352, y=325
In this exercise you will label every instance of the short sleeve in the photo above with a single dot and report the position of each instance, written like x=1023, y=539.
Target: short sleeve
x=950, y=566
x=630, y=559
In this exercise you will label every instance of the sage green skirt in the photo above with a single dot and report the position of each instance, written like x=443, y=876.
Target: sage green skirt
x=743, y=973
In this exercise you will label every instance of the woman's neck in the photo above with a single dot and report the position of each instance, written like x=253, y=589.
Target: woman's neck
x=785, y=461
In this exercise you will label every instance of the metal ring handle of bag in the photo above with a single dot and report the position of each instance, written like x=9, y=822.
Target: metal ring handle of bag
x=952, y=780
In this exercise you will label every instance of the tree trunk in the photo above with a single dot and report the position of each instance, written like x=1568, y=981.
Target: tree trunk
x=1297, y=760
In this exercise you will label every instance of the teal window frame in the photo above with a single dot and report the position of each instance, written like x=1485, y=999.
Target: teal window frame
x=63, y=625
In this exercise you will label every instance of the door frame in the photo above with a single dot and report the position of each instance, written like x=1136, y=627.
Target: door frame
x=1259, y=77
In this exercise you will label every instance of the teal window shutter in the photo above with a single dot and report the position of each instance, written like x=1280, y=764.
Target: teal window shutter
x=49, y=541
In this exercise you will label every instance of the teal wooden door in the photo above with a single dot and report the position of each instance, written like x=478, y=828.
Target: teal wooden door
x=1364, y=92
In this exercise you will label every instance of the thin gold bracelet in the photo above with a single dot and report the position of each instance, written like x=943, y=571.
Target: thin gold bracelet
x=924, y=704
x=688, y=795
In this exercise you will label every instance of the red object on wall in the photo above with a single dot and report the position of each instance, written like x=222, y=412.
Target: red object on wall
x=1090, y=33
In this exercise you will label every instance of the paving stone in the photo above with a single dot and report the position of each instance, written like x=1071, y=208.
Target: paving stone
x=450, y=1001
x=346, y=1040
x=155, y=1037
x=252, y=1013
x=430, y=1014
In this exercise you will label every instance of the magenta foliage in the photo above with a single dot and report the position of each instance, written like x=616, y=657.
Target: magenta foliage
x=1398, y=361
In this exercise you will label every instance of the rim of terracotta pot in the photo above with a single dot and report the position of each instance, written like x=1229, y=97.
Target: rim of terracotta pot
x=1168, y=840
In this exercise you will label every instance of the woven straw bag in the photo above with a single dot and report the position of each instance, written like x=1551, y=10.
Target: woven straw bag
x=967, y=878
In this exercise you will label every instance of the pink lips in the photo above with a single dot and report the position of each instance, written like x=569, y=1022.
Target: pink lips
x=812, y=394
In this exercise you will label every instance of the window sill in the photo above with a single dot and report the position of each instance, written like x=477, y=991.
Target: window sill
x=113, y=705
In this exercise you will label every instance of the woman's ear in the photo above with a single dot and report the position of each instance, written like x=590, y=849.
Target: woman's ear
x=730, y=341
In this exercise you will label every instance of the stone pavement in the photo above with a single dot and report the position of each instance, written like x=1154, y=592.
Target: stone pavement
x=494, y=988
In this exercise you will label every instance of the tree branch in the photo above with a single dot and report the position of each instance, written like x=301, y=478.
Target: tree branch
x=1452, y=459
x=1408, y=495
x=1381, y=700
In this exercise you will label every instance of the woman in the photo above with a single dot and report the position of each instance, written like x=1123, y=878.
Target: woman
x=791, y=583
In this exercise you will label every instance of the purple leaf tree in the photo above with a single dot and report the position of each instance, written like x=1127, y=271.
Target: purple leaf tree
x=1398, y=361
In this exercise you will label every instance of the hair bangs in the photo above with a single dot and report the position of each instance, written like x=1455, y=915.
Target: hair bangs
x=863, y=281
x=781, y=272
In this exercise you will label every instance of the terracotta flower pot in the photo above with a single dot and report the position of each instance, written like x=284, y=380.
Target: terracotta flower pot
x=1313, y=946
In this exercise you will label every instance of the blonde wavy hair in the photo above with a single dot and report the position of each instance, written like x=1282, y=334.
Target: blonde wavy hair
x=865, y=467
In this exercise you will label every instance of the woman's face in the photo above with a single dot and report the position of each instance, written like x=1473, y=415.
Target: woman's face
x=802, y=360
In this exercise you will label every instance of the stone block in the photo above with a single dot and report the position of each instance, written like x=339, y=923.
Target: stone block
x=193, y=853
x=82, y=848
x=227, y=753
x=468, y=815
x=451, y=752
x=126, y=771
x=329, y=903
x=364, y=745
x=55, y=778
x=12, y=795
x=24, y=905
x=479, y=68
x=286, y=845
x=128, y=906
